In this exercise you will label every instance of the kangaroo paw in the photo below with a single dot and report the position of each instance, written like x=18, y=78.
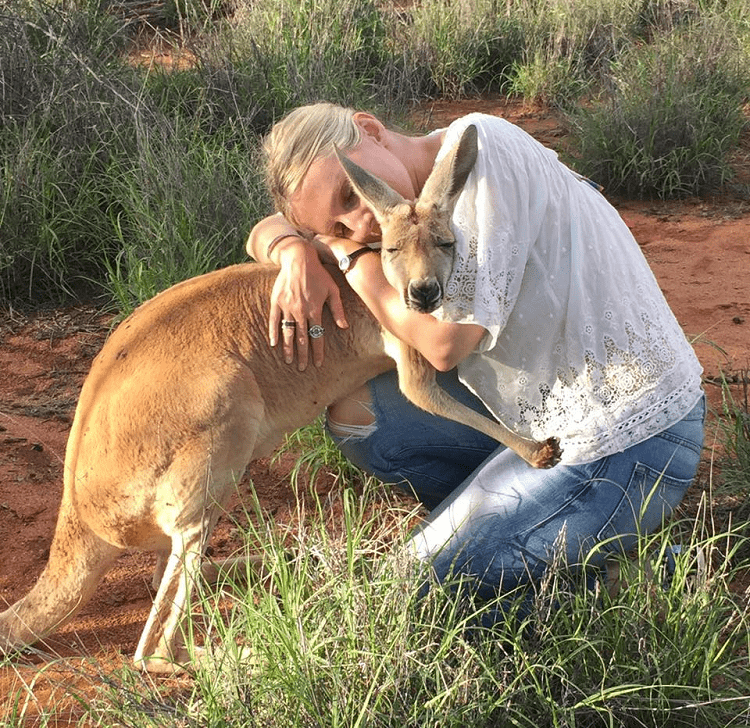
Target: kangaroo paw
x=547, y=454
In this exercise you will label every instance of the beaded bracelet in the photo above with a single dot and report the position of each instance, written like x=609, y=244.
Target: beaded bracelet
x=277, y=240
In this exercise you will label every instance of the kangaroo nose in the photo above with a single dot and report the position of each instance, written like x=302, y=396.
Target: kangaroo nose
x=424, y=295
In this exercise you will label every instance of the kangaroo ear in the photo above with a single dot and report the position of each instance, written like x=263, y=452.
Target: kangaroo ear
x=449, y=175
x=378, y=196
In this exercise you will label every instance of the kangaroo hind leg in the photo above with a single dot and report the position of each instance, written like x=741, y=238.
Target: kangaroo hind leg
x=161, y=648
x=193, y=494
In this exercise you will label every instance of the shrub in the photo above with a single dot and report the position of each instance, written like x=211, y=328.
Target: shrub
x=64, y=112
x=113, y=177
x=454, y=49
x=668, y=120
x=305, y=50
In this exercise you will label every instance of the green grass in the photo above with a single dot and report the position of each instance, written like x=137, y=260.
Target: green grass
x=736, y=430
x=118, y=181
x=670, y=118
x=305, y=50
x=314, y=452
x=338, y=631
x=338, y=634
x=456, y=49
x=181, y=208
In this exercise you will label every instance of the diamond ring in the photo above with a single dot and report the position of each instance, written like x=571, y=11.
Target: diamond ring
x=316, y=331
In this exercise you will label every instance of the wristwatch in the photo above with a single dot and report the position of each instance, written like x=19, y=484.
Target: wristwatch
x=347, y=262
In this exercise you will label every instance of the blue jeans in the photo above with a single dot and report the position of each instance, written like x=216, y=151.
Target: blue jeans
x=502, y=521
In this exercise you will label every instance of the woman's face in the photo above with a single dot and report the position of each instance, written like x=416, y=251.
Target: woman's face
x=325, y=201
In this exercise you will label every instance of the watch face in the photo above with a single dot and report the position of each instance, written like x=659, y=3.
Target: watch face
x=345, y=262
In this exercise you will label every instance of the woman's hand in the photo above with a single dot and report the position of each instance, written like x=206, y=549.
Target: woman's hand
x=302, y=288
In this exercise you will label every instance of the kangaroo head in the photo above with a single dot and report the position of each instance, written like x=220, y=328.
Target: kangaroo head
x=418, y=244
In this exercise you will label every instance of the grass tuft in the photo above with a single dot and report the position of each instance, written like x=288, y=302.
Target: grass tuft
x=670, y=117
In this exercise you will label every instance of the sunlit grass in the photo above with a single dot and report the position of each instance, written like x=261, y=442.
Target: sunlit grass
x=119, y=180
x=338, y=632
x=335, y=627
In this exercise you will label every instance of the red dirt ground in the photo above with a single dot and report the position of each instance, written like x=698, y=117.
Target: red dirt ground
x=698, y=249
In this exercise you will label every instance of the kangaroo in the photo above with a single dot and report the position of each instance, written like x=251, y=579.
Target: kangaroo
x=184, y=394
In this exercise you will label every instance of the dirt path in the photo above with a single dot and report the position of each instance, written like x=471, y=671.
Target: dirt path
x=698, y=249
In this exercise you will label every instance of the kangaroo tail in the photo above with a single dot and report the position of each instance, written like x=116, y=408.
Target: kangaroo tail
x=77, y=560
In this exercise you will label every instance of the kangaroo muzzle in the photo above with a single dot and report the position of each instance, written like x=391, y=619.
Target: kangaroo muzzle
x=424, y=295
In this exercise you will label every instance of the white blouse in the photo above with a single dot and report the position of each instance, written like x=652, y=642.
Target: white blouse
x=580, y=341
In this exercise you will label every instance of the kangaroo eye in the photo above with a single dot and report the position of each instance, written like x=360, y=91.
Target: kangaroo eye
x=391, y=251
x=445, y=244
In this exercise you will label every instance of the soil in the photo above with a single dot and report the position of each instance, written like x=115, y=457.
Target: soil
x=699, y=250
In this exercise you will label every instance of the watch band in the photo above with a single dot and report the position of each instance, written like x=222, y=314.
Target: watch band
x=346, y=263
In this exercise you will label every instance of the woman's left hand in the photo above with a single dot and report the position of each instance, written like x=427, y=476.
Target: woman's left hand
x=302, y=288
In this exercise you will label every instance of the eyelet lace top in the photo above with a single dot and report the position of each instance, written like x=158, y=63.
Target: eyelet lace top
x=580, y=341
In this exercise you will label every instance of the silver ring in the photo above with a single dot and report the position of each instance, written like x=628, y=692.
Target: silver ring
x=288, y=324
x=316, y=331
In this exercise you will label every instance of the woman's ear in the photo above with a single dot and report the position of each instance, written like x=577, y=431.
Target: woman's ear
x=369, y=125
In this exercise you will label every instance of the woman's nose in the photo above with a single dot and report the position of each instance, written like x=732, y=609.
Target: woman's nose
x=361, y=222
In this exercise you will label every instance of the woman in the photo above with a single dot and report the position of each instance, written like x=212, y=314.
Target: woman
x=553, y=322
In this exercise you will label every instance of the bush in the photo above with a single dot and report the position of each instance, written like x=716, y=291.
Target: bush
x=568, y=46
x=670, y=117
x=111, y=177
x=183, y=206
x=455, y=49
x=305, y=50
x=63, y=115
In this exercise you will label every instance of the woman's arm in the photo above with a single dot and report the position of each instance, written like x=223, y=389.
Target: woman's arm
x=302, y=287
x=274, y=234
x=442, y=343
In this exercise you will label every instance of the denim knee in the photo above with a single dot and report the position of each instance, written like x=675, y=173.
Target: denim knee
x=505, y=524
x=428, y=455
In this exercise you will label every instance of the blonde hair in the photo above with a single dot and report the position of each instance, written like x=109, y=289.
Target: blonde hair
x=296, y=141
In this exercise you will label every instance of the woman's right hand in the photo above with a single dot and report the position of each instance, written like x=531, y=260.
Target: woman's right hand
x=302, y=288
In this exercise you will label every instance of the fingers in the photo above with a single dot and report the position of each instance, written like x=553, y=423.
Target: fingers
x=317, y=333
x=294, y=337
x=303, y=349
x=337, y=307
x=274, y=322
x=298, y=297
x=302, y=338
